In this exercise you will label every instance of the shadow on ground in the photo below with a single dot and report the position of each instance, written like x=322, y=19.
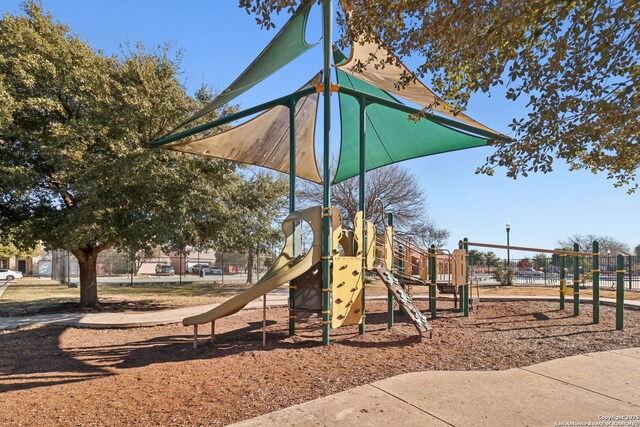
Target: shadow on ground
x=32, y=358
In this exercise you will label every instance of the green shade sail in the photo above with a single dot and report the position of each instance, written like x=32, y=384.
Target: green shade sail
x=286, y=46
x=391, y=136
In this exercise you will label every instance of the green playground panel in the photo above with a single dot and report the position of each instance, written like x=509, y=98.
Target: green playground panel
x=391, y=135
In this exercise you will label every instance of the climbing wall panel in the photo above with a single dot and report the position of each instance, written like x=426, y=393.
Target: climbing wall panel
x=346, y=289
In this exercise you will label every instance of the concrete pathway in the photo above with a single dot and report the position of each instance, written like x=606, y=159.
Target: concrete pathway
x=591, y=388
x=126, y=320
x=275, y=298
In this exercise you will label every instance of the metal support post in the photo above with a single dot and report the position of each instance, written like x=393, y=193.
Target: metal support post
x=326, y=173
x=460, y=289
x=433, y=275
x=576, y=281
x=620, y=293
x=595, y=271
x=563, y=279
x=390, y=298
x=292, y=206
x=362, y=203
x=466, y=286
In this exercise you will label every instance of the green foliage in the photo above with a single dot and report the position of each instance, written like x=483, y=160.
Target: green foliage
x=477, y=258
x=504, y=276
x=574, y=64
x=636, y=252
x=9, y=250
x=491, y=259
x=484, y=259
x=539, y=261
x=75, y=172
x=260, y=201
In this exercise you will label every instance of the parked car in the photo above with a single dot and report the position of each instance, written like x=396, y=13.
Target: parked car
x=553, y=269
x=9, y=275
x=530, y=272
x=204, y=269
x=198, y=268
x=165, y=270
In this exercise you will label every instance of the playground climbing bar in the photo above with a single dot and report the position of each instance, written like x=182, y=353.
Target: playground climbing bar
x=522, y=248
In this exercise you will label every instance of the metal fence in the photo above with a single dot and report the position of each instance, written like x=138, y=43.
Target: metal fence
x=546, y=272
x=62, y=266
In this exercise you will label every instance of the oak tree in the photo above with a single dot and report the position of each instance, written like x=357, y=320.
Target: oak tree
x=74, y=170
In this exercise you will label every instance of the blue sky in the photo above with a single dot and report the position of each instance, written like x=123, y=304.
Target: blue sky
x=219, y=40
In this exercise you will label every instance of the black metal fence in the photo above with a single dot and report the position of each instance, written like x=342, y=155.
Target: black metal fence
x=62, y=266
x=540, y=271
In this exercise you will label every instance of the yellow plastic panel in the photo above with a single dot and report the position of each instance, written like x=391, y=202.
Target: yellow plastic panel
x=371, y=244
x=388, y=247
x=460, y=267
x=357, y=233
x=346, y=289
x=424, y=267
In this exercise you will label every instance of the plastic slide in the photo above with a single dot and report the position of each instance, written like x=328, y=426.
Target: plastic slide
x=271, y=280
x=286, y=267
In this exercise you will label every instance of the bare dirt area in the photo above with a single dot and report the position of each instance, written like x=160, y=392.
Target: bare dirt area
x=152, y=376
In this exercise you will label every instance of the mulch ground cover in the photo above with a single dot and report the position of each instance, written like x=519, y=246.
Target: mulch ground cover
x=152, y=376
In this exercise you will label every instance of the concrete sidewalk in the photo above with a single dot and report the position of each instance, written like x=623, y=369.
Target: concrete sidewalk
x=580, y=389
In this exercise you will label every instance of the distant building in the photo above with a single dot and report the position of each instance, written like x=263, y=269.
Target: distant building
x=23, y=264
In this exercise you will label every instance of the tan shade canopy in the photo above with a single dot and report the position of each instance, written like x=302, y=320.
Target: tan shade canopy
x=370, y=54
x=264, y=140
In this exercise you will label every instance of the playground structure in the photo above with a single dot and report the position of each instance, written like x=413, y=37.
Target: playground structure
x=376, y=130
x=351, y=256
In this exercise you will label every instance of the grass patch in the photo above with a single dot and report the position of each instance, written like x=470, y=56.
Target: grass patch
x=33, y=296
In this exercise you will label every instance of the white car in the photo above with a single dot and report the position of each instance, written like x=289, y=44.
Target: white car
x=9, y=275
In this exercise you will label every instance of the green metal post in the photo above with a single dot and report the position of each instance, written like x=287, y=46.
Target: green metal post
x=390, y=317
x=620, y=293
x=361, y=205
x=326, y=175
x=466, y=278
x=595, y=271
x=563, y=279
x=576, y=281
x=460, y=288
x=292, y=206
x=433, y=276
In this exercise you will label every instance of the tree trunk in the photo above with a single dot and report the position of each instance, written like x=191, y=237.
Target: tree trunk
x=250, y=266
x=88, y=277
